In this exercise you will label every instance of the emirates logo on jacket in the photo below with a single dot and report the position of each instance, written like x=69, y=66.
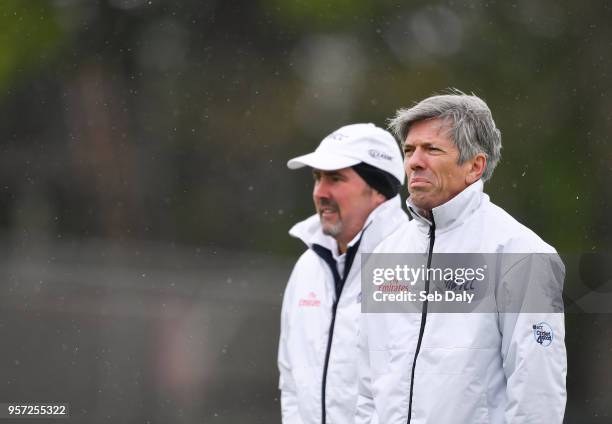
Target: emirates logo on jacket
x=311, y=300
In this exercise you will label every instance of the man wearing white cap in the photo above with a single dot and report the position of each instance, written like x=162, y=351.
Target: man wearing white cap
x=358, y=171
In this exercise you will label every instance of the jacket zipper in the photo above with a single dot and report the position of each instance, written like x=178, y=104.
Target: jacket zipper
x=432, y=239
x=327, y=354
x=339, y=283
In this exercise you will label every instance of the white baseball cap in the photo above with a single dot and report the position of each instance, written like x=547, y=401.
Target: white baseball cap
x=353, y=144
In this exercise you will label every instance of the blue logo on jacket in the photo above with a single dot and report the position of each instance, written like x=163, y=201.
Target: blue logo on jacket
x=542, y=333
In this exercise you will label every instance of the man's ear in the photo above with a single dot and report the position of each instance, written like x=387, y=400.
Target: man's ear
x=477, y=166
x=379, y=198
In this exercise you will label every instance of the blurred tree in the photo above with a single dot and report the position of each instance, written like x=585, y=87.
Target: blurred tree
x=173, y=120
x=31, y=35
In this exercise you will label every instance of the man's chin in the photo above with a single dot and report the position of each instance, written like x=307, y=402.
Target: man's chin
x=331, y=229
x=421, y=202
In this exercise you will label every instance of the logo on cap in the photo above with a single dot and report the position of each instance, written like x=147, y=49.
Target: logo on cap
x=379, y=155
x=337, y=136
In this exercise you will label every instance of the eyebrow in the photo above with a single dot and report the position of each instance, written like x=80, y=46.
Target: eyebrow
x=424, y=144
x=319, y=173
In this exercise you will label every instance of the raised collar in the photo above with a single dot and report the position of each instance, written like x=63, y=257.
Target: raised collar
x=381, y=221
x=455, y=211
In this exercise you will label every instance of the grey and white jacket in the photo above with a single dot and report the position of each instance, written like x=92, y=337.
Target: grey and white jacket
x=318, y=347
x=465, y=367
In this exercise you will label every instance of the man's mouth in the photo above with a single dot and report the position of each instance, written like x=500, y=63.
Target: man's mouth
x=327, y=210
x=418, y=181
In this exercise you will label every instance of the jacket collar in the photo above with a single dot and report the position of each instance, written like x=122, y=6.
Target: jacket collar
x=455, y=211
x=381, y=222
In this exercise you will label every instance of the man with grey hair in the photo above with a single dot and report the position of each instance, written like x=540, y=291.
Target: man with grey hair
x=502, y=365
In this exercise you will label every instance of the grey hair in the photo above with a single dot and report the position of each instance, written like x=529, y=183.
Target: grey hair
x=470, y=125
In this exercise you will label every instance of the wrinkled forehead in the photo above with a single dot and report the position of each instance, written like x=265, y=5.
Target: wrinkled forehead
x=441, y=126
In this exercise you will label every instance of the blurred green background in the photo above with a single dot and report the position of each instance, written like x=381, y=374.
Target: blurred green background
x=145, y=200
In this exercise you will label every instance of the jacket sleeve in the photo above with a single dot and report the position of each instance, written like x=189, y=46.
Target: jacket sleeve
x=289, y=402
x=366, y=412
x=533, y=340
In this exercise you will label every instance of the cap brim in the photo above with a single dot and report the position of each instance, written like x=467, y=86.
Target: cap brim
x=322, y=161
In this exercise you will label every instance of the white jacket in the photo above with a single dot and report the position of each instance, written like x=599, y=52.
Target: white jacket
x=312, y=334
x=470, y=367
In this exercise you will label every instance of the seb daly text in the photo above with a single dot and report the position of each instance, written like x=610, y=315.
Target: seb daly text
x=404, y=283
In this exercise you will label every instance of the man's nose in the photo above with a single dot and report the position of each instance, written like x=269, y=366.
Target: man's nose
x=321, y=189
x=415, y=160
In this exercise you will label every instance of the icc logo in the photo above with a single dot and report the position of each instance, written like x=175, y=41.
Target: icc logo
x=542, y=333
